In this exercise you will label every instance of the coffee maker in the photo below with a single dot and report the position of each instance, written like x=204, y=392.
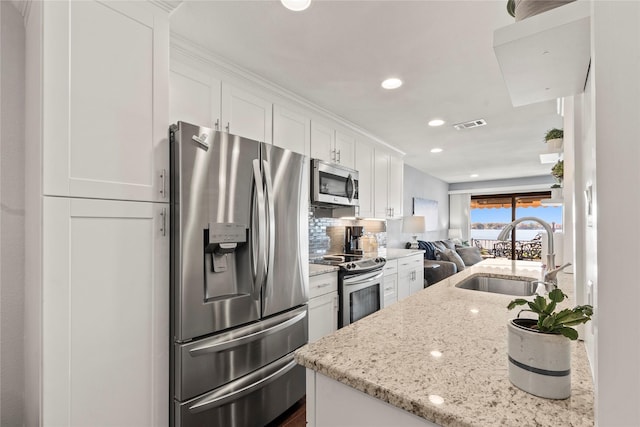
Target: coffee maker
x=352, y=236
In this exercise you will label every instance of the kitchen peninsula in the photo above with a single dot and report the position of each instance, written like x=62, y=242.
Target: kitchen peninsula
x=438, y=357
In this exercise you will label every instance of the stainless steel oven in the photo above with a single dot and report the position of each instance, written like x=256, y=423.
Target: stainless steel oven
x=333, y=184
x=360, y=295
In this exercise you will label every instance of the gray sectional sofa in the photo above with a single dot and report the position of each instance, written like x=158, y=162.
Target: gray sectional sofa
x=443, y=258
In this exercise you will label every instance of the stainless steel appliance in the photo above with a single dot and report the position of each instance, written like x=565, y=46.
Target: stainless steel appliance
x=239, y=260
x=333, y=185
x=360, y=285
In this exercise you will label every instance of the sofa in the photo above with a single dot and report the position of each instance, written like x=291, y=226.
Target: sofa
x=443, y=258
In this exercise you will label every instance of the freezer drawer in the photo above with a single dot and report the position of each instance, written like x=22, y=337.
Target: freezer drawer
x=253, y=400
x=206, y=364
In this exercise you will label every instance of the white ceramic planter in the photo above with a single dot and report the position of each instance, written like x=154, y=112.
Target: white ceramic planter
x=555, y=145
x=539, y=363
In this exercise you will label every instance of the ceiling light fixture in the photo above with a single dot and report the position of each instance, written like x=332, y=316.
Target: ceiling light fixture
x=296, y=5
x=436, y=150
x=473, y=175
x=436, y=122
x=392, y=83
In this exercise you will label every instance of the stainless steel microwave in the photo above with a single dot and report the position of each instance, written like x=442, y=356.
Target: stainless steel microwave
x=333, y=185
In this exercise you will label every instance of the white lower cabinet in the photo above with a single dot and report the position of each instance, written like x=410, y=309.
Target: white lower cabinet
x=410, y=275
x=390, y=282
x=105, y=313
x=323, y=305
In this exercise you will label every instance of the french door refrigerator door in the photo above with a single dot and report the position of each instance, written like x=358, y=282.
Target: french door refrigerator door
x=213, y=197
x=287, y=197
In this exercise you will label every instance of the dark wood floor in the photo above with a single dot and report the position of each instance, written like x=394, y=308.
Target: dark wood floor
x=296, y=416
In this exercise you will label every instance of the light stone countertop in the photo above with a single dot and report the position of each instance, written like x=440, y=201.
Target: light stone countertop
x=317, y=269
x=387, y=355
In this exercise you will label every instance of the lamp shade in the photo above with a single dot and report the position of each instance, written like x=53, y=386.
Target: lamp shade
x=413, y=224
x=296, y=5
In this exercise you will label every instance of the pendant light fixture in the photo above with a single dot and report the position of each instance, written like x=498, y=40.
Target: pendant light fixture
x=296, y=5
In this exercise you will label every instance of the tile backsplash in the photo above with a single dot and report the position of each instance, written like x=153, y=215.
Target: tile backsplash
x=326, y=235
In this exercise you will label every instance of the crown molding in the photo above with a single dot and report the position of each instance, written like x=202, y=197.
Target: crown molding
x=168, y=6
x=181, y=46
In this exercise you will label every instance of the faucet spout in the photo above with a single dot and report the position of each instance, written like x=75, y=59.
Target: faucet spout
x=504, y=235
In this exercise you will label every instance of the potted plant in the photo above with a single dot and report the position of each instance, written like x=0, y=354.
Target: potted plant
x=540, y=349
x=521, y=9
x=554, y=138
x=558, y=171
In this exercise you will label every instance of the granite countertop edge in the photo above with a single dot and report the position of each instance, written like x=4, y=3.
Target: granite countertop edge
x=398, y=369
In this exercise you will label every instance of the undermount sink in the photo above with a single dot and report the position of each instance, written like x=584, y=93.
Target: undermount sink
x=499, y=285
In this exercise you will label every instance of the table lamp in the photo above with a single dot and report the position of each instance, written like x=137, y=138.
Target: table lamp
x=414, y=225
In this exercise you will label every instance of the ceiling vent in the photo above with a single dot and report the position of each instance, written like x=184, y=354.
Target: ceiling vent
x=471, y=124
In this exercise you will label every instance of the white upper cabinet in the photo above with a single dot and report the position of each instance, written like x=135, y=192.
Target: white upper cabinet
x=246, y=114
x=194, y=97
x=388, y=176
x=364, y=165
x=395, y=189
x=104, y=70
x=331, y=145
x=291, y=130
x=345, y=149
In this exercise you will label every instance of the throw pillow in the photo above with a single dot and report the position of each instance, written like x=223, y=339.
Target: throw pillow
x=452, y=256
x=449, y=244
x=470, y=255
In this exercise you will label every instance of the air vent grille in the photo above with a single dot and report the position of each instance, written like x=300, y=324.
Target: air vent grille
x=469, y=125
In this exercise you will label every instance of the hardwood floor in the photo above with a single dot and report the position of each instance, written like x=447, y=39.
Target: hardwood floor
x=296, y=416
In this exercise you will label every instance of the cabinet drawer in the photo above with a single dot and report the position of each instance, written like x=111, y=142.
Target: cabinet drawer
x=391, y=267
x=410, y=262
x=390, y=288
x=323, y=284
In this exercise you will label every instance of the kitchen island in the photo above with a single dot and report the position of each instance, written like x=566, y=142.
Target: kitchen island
x=438, y=357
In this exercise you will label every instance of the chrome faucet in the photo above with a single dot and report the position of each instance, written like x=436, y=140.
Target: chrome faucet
x=551, y=257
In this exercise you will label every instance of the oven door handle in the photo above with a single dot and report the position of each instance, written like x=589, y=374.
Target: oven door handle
x=356, y=280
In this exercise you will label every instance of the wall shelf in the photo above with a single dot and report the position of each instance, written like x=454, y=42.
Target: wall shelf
x=546, y=56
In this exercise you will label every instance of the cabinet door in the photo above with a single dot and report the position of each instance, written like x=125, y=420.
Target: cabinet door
x=395, y=187
x=245, y=114
x=345, y=149
x=322, y=142
x=381, y=176
x=404, y=283
x=390, y=289
x=291, y=130
x=194, y=97
x=105, y=313
x=415, y=284
x=364, y=166
x=323, y=315
x=105, y=100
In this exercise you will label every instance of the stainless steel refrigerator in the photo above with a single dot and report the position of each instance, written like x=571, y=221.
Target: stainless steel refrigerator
x=239, y=260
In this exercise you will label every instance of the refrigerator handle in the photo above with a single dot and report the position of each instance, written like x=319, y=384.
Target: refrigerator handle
x=271, y=218
x=240, y=388
x=259, y=261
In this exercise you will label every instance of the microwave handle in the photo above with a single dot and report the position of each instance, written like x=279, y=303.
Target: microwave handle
x=353, y=188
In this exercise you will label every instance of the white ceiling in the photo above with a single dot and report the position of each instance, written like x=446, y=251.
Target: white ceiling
x=336, y=53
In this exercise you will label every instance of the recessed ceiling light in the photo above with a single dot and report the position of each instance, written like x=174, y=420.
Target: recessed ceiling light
x=436, y=150
x=474, y=175
x=392, y=83
x=296, y=5
x=436, y=354
x=436, y=122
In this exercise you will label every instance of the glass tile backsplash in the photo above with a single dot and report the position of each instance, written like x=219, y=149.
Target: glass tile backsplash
x=326, y=235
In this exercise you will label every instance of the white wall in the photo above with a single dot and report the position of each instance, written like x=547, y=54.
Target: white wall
x=12, y=62
x=616, y=99
x=420, y=184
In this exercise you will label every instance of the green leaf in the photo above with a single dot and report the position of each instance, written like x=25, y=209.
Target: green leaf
x=557, y=295
x=516, y=302
x=570, y=333
x=538, y=304
x=547, y=323
x=550, y=308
